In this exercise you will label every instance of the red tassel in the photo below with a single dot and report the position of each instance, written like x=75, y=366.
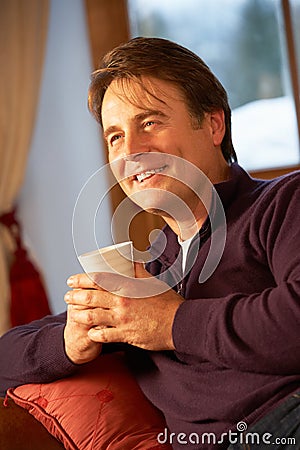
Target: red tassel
x=28, y=296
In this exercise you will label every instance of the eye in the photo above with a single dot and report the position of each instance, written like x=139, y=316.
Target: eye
x=114, y=138
x=149, y=123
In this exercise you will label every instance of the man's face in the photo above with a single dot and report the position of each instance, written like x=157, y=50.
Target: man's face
x=149, y=135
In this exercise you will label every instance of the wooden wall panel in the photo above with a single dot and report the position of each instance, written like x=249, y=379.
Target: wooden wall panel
x=108, y=27
x=273, y=173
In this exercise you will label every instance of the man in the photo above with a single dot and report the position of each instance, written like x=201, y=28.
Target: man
x=211, y=353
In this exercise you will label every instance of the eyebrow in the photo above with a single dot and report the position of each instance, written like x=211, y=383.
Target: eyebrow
x=137, y=118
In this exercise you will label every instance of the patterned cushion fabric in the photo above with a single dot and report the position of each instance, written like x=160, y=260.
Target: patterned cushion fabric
x=100, y=407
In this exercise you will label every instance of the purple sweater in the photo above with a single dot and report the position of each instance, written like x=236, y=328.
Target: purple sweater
x=237, y=334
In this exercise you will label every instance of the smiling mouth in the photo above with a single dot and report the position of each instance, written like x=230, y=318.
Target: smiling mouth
x=140, y=177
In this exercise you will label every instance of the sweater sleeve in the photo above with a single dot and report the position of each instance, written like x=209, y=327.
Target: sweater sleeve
x=257, y=332
x=34, y=353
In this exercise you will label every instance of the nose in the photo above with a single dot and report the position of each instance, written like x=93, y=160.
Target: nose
x=134, y=145
x=133, y=156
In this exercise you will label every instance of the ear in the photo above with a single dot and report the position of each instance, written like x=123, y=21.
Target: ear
x=217, y=119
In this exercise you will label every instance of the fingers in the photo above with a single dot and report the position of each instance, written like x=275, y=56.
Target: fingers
x=99, y=280
x=103, y=281
x=82, y=280
x=78, y=346
x=91, y=317
x=89, y=298
x=105, y=335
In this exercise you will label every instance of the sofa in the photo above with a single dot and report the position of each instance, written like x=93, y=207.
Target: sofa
x=19, y=430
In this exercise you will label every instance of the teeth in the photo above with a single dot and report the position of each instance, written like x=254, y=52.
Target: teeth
x=142, y=176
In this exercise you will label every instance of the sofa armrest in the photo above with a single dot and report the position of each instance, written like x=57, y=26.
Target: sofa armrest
x=19, y=430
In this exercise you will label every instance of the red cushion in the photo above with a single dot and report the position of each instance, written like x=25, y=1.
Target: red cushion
x=100, y=407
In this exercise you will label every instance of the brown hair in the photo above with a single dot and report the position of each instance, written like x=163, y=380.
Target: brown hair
x=168, y=61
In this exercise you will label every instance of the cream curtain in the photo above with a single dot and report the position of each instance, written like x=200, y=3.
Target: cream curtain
x=23, y=32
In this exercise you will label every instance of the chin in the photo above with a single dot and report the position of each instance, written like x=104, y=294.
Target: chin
x=154, y=204
x=157, y=212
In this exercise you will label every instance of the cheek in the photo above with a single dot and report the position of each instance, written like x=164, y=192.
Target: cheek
x=117, y=167
x=127, y=187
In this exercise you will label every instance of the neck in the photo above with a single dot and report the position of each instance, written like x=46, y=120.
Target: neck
x=187, y=225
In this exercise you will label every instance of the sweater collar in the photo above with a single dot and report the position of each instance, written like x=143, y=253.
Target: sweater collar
x=239, y=181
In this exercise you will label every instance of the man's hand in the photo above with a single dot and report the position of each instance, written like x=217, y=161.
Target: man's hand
x=110, y=315
x=78, y=345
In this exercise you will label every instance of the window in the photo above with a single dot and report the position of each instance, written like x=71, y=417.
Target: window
x=295, y=6
x=244, y=42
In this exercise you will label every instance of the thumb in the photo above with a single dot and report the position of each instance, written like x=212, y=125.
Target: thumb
x=140, y=271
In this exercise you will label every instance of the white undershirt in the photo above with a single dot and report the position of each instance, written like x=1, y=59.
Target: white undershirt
x=185, y=245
